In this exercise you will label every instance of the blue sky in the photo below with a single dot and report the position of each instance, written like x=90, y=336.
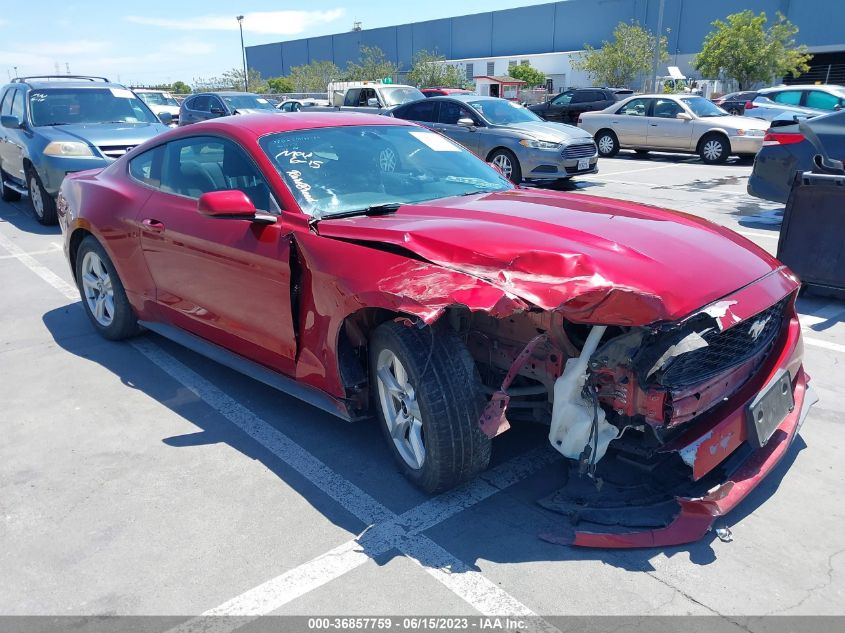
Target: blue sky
x=156, y=41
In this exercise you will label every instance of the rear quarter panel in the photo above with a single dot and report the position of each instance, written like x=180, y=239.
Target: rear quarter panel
x=106, y=205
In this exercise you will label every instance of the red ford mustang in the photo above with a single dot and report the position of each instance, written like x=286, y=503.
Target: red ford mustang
x=372, y=267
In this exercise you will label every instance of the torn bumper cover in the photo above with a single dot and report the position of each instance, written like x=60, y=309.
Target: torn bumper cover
x=726, y=447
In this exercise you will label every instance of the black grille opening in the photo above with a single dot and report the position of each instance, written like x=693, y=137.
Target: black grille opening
x=725, y=349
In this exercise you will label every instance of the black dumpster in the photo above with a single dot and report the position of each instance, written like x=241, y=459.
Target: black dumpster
x=812, y=237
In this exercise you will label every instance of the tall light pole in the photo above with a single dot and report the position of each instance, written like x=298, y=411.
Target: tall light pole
x=240, y=19
x=657, y=45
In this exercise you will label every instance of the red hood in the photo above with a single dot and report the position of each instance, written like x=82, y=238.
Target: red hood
x=594, y=258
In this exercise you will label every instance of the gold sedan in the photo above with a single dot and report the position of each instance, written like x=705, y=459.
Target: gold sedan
x=674, y=123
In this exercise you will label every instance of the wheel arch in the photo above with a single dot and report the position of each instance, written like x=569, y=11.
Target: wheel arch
x=716, y=131
x=74, y=240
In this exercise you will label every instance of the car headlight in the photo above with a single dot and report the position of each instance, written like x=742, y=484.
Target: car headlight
x=68, y=149
x=750, y=133
x=534, y=144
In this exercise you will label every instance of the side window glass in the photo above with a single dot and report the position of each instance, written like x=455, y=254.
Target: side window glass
x=636, y=107
x=666, y=109
x=788, y=97
x=450, y=112
x=200, y=104
x=6, y=104
x=352, y=97
x=17, y=105
x=146, y=168
x=468, y=114
x=821, y=100
x=216, y=105
x=197, y=165
x=425, y=111
x=562, y=99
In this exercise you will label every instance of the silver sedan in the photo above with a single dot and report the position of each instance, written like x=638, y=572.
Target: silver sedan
x=674, y=123
x=521, y=144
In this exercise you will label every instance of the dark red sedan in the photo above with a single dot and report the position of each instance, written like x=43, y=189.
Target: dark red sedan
x=373, y=267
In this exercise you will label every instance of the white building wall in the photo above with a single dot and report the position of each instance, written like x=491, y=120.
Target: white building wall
x=556, y=66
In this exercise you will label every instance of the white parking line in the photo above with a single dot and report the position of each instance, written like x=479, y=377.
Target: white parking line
x=834, y=347
x=480, y=593
x=47, y=251
x=42, y=271
x=388, y=533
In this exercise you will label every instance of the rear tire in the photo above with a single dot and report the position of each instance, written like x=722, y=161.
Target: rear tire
x=103, y=296
x=428, y=398
x=607, y=143
x=7, y=195
x=43, y=204
x=714, y=149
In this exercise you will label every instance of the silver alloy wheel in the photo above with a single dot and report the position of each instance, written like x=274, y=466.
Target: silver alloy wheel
x=400, y=409
x=503, y=162
x=606, y=144
x=387, y=160
x=35, y=196
x=97, y=288
x=712, y=149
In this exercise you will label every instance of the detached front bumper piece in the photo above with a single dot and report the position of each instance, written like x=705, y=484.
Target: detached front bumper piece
x=641, y=516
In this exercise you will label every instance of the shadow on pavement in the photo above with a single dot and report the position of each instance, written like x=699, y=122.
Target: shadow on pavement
x=502, y=528
x=20, y=215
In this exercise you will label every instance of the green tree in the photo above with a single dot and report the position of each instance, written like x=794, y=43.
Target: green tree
x=234, y=80
x=180, y=87
x=618, y=63
x=279, y=85
x=531, y=76
x=744, y=49
x=430, y=69
x=373, y=66
x=313, y=77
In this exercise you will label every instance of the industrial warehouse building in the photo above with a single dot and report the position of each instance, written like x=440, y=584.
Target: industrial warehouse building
x=546, y=35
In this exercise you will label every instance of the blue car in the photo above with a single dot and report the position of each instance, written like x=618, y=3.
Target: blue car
x=55, y=125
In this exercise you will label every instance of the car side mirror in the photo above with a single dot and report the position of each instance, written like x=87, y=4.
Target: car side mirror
x=166, y=118
x=231, y=204
x=466, y=122
x=11, y=122
x=683, y=116
x=372, y=102
x=837, y=107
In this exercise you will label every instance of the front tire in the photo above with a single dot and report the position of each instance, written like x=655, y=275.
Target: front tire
x=505, y=160
x=714, y=149
x=428, y=398
x=607, y=143
x=43, y=204
x=103, y=296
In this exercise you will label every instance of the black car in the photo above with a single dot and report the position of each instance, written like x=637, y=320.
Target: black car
x=210, y=105
x=566, y=106
x=735, y=101
x=787, y=150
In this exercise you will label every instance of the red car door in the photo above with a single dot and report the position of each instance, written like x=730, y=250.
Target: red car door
x=226, y=280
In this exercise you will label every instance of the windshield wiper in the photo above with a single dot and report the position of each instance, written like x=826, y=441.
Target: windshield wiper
x=384, y=208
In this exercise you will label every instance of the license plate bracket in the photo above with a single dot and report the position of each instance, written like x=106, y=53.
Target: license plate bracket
x=769, y=408
x=583, y=163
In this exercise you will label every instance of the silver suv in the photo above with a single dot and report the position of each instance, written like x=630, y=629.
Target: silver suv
x=810, y=100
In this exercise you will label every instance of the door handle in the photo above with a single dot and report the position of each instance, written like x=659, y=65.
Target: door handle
x=653, y=124
x=153, y=225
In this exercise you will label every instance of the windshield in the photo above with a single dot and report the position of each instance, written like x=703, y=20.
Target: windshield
x=247, y=102
x=704, y=108
x=398, y=96
x=157, y=98
x=65, y=106
x=503, y=112
x=343, y=169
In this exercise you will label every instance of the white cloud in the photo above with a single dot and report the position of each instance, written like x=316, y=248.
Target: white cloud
x=68, y=47
x=265, y=22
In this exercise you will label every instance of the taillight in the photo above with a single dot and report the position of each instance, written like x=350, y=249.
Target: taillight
x=782, y=138
x=749, y=105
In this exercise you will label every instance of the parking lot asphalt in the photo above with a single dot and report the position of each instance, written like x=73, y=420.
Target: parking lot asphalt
x=140, y=478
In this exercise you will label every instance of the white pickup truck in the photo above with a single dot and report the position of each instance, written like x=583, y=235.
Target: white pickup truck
x=370, y=95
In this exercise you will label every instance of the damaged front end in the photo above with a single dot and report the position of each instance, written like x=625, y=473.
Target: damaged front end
x=668, y=425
